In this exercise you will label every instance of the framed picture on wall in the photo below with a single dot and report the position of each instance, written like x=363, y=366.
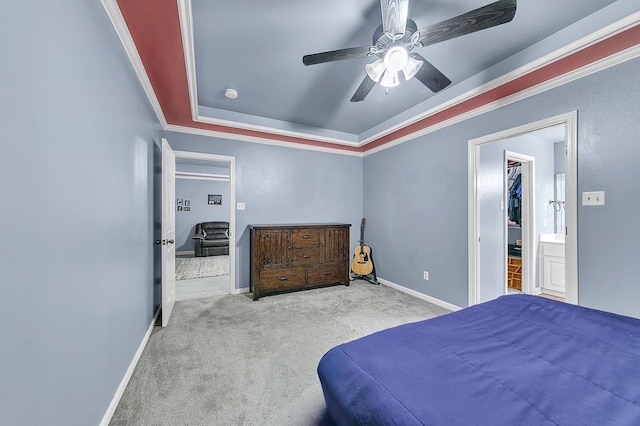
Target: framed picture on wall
x=187, y=202
x=179, y=208
x=179, y=201
x=215, y=200
x=186, y=209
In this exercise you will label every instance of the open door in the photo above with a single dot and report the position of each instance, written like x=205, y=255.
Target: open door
x=168, y=231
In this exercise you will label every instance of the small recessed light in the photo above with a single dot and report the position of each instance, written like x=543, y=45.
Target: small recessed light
x=231, y=93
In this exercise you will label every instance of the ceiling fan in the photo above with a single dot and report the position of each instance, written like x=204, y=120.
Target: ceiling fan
x=394, y=40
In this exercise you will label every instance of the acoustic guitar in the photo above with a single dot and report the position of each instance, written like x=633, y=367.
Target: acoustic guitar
x=362, y=262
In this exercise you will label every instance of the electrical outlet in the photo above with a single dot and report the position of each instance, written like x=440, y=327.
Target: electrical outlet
x=240, y=206
x=594, y=198
x=425, y=275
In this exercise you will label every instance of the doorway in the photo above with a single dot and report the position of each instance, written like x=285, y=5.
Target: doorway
x=205, y=208
x=519, y=223
x=488, y=250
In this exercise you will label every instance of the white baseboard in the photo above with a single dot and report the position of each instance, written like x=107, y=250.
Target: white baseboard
x=241, y=290
x=552, y=292
x=127, y=376
x=419, y=295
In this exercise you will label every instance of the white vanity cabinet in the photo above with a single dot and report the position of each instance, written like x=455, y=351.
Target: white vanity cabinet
x=552, y=266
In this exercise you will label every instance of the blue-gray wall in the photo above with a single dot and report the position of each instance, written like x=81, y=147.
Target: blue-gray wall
x=416, y=193
x=491, y=189
x=76, y=184
x=196, y=191
x=284, y=185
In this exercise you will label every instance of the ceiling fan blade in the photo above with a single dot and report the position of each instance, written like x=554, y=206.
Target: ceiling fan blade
x=485, y=17
x=363, y=90
x=336, y=55
x=430, y=76
x=394, y=17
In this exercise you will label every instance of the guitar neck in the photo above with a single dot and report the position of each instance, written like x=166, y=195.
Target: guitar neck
x=362, y=233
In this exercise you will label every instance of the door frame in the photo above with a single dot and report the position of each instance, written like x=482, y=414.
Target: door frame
x=528, y=224
x=570, y=120
x=232, y=204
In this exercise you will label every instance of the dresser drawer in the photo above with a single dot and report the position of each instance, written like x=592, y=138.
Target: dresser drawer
x=305, y=237
x=281, y=278
x=306, y=256
x=327, y=274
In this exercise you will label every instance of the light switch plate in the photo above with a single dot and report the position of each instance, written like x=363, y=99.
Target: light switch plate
x=593, y=198
x=240, y=206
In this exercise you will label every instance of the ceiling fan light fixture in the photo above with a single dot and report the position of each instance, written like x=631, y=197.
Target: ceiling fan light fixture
x=396, y=58
x=411, y=68
x=390, y=79
x=398, y=35
x=375, y=70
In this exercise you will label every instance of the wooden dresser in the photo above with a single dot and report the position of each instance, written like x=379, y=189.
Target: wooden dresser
x=298, y=257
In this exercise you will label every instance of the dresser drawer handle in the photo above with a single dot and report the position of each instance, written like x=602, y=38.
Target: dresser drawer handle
x=283, y=278
x=306, y=256
x=306, y=237
x=327, y=273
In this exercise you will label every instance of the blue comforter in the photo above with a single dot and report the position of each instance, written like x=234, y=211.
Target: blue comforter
x=517, y=360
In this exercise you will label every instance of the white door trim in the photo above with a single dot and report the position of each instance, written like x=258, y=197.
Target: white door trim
x=232, y=204
x=528, y=220
x=570, y=120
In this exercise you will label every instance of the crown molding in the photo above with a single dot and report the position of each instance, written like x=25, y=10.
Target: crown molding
x=274, y=131
x=117, y=20
x=186, y=28
x=253, y=139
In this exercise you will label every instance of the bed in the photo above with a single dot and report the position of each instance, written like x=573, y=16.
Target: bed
x=516, y=360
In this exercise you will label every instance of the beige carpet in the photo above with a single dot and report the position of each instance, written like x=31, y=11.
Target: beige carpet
x=228, y=360
x=188, y=268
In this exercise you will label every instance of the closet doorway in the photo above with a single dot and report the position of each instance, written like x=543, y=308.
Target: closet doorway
x=205, y=221
x=519, y=223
